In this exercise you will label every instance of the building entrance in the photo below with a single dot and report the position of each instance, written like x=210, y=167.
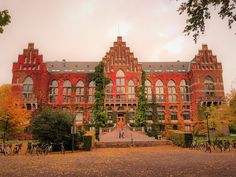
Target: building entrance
x=121, y=120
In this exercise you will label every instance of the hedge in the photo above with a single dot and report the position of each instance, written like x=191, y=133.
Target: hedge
x=180, y=138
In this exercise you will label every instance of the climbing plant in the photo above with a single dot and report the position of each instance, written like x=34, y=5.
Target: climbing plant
x=100, y=117
x=140, y=119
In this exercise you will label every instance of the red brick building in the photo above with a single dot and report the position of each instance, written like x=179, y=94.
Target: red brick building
x=178, y=88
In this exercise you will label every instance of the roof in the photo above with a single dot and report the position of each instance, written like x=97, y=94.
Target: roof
x=73, y=67
x=87, y=67
x=175, y=67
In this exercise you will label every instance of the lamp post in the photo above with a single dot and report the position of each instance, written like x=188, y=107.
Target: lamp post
x=208, y=132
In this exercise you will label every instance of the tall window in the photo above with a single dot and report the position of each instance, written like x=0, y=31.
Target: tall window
x=173, y=116
x=120, y=86
x=91, y=91
x=79, y=92
x=209, y=86
x=66, y=91
x=186, y=115
x=172, y=91
x=148, y=90
x=184, y=91
x=131, y=90
x=109, y=90
x=28, y=88
x=160, y=91
x=120, y=82
x=53, y=91
x=161, y=115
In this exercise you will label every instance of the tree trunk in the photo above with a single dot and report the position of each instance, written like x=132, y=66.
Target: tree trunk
x=5, y=133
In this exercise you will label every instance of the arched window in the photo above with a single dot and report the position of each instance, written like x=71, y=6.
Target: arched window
x=79, y=92
x=209, y=86
x=120, y=86
x=184, y=91
x=66, y=98
x=108, y=92
x=160, y=91
x=91, y=91
x=28, y=88
x=131, y=90
x=148, y=90
x=53, y=91
x=172, y=92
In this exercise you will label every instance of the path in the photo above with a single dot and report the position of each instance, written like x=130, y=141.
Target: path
x=114, y=136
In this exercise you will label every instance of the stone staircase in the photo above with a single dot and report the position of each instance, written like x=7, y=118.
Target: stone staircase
x=131, y=138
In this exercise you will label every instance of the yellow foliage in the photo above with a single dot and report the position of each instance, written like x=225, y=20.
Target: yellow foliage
x=11, y=110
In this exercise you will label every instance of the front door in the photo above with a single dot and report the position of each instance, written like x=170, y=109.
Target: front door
x=120, y=121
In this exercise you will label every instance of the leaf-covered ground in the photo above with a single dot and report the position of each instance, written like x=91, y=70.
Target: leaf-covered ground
x=122, y=162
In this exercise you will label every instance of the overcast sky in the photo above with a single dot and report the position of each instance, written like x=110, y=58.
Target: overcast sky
x=83, y=30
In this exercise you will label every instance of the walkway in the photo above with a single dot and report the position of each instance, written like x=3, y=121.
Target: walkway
x=128, y=136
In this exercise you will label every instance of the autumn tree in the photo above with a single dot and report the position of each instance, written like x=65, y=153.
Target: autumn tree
x=5, y=19
x=13, y=117
x=141, y=113
x=199, y=11
x=232, y=106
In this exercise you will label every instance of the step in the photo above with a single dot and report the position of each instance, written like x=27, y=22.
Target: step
x=124, y=144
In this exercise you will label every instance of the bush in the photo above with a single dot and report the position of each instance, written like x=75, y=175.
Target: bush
x=53, y=126
x=232, y=126
x=87, y=142
x=180, y=138
x=155, y=130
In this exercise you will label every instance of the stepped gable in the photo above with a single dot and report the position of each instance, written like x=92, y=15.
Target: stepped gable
x=120, y=56
x=30, y=61
x=70, y=67
x=205, y=60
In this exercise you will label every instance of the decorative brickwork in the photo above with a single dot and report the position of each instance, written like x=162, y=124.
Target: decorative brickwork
x=179, y=89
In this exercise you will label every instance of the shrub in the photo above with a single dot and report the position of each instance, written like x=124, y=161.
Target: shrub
x=87, y=142
x=180, y=138
x=53, y=126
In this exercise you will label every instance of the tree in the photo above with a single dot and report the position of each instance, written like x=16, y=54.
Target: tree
x=52, y=126
x=141, y=112
x=5, y=19
x=100, y=117
x=232, y=106
x=13, y=117
x=198, y=12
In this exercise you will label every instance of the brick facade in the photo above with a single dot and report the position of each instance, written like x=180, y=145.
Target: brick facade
x=178, y=88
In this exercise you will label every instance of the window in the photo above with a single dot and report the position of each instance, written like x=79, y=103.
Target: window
x=120, y=86
x=209, y=86
x=161, y=115
x=148, y=90
x=66, y=98
x=109, y=88
x=173, y=107
x=79, y=92
x=131, y=90
x=53, y=91
x=187, y=128
x=160, y=107
x=120, y=82
x=184, y=91
x=173, y=116
x=79, y=117
x=172, y=91
x=160, y=91
x=91, y=91
x=186, y=115
x=28, y=88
